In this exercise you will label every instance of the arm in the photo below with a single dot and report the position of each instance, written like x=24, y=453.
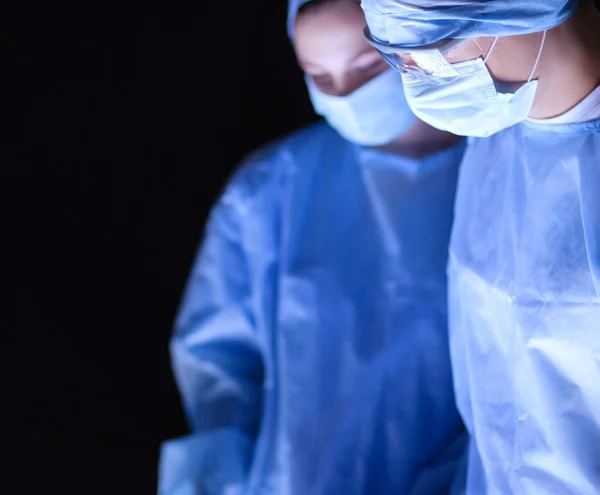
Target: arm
x=217, y=363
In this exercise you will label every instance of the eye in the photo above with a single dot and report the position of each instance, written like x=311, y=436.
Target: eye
x=320, y=78
x=322, y=81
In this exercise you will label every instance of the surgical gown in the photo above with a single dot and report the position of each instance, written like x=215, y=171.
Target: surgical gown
x=311, y=349
x=525, y=309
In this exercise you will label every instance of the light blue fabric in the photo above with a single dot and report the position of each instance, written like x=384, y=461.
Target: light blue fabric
x=192, y=465
x=421, y=22
x=372, y=115
x=525, y=309
x=323, y=269
x=293, y=7
x=470, y=104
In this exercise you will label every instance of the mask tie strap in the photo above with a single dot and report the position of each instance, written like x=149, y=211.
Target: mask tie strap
x=539, y=56
x=491, y=49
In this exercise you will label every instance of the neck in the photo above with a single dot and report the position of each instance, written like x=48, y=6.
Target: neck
x=570, y=65
x=420, y=141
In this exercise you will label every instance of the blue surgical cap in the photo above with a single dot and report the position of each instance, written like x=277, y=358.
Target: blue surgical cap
x=293, y=8
x=421, y=22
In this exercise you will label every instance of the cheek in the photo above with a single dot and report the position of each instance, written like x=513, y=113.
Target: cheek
x=345, y=83
x=381, y=69
x=470, y=49
x=371, y=71
x=354, y=81
x=510, y=63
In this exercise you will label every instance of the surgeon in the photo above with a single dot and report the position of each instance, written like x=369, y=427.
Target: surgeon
x=523, y=78
x=311, y=348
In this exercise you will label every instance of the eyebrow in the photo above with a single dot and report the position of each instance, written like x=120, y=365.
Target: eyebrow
x=306, y=63
x=368, y=50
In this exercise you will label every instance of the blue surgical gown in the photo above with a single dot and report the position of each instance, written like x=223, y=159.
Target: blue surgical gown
x=311, y=349
x=524, y=296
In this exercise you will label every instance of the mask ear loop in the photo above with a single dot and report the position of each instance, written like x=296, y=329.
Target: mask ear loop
x=491, y=49
x=539, y=56
x=478, y=45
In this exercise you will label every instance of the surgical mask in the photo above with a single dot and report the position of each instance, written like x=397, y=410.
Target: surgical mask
x=467, y=101
x=373, y=115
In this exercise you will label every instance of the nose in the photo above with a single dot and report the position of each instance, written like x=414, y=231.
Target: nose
x=345, y=85
x=348, y=82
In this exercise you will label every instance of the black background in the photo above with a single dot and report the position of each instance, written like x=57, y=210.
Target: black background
x=126, y=126
x=121, y=129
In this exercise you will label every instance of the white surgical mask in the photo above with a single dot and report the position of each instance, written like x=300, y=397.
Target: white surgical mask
x=469, y=103
x=373, y=115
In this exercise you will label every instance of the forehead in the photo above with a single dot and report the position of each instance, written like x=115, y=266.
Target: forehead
x=332, y=31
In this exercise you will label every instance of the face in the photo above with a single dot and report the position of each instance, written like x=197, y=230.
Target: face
x=511, y=60
x=331, y=49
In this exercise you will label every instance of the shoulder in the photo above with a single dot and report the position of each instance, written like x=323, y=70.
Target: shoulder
x=265, y=168
x=250, y=203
